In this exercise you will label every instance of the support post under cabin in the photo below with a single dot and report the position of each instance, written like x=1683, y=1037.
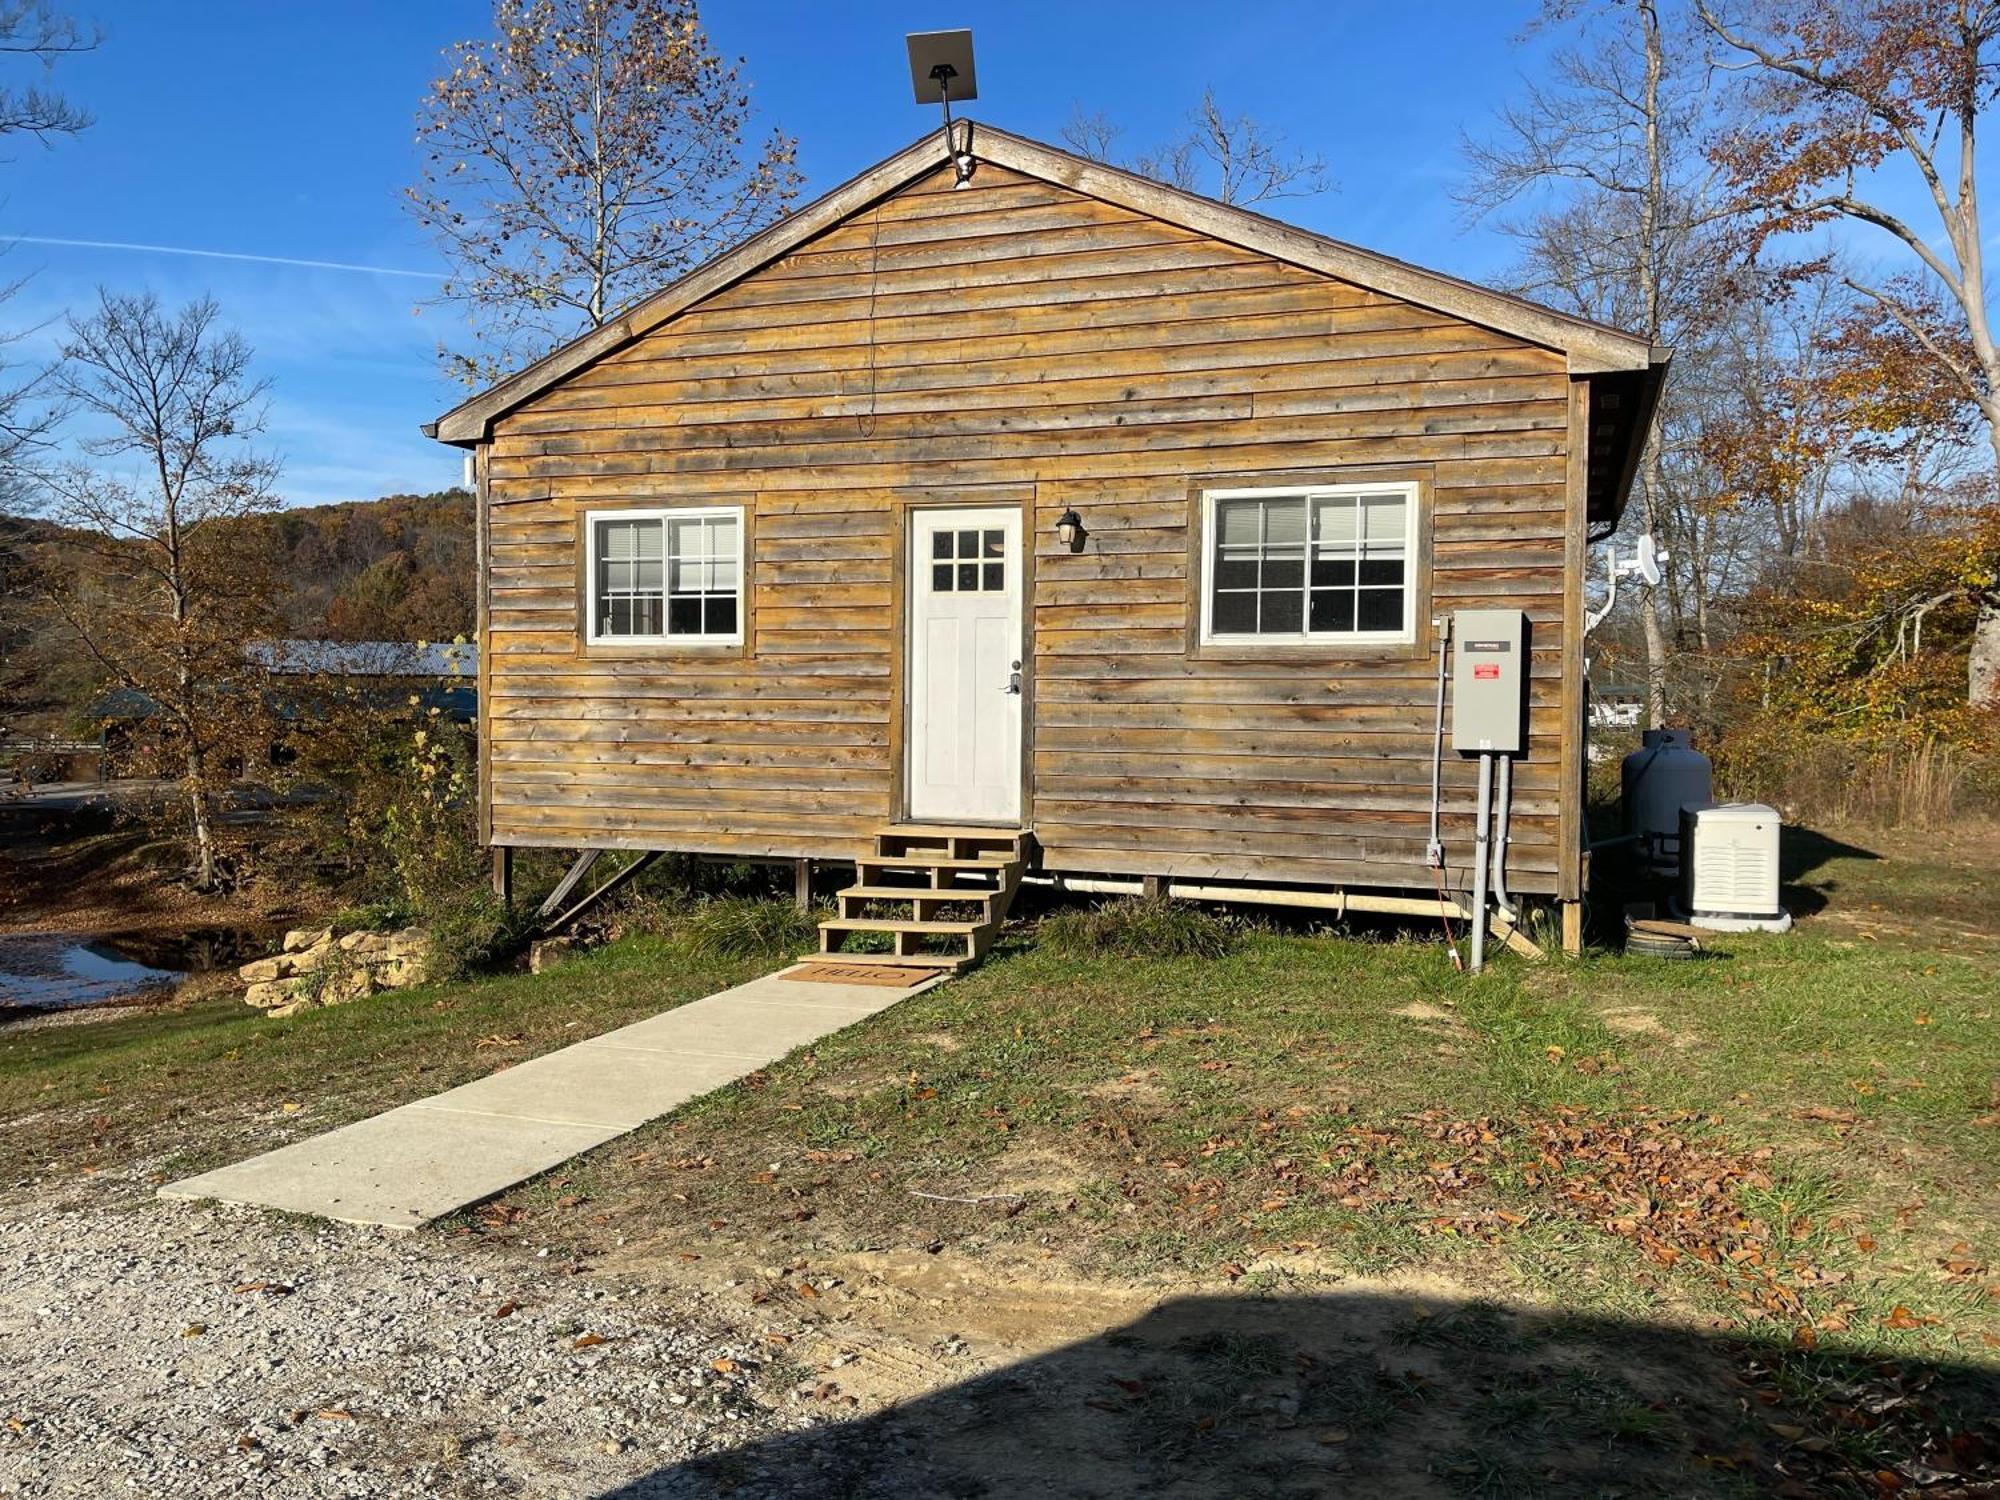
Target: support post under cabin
x=802, y=884
x=503, y=874
x=1572, y=924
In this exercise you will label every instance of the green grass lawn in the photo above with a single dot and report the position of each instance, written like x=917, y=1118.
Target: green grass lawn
x=1795, y=1134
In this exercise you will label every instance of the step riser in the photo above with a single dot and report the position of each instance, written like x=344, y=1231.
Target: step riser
x=923, y=906
x=1003, y=849
x=918, y=873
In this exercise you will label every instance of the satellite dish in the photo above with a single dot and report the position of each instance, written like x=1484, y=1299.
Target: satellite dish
x=941, y=66
x=1648, y=560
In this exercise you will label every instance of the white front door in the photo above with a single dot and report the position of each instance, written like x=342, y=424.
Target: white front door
x=964, y=665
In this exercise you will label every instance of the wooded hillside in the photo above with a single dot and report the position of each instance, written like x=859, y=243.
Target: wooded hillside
x=397, y=568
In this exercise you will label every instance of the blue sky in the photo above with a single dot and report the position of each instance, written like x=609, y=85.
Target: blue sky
x=267, y=128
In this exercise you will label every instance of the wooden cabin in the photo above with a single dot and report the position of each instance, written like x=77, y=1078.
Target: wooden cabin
x=1060, y=522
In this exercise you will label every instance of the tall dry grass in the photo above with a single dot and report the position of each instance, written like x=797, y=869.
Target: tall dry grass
x=1822, y=780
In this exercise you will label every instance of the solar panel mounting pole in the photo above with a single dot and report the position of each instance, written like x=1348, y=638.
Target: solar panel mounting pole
x=944, y=73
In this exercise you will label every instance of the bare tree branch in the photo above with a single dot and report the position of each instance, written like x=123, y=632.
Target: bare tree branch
x=587, y=155
x=1231, y=158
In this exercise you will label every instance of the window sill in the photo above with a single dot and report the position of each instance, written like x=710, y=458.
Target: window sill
x=643, y=650
x=1323, y=650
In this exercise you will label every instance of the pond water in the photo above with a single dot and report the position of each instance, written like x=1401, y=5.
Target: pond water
x=61, y=971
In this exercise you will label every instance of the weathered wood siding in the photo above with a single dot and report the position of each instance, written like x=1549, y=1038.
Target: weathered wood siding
x=1019, y=338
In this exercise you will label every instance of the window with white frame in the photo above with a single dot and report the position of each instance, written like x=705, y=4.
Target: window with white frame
x=666, y=575
x=1330, y=563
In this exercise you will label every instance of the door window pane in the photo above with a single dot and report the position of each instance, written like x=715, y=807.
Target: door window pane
x=968, y=561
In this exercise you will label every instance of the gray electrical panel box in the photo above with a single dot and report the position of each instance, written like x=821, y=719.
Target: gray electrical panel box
x=1489, y=680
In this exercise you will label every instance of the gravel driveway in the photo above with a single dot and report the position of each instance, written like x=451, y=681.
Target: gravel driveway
x=182, y=1350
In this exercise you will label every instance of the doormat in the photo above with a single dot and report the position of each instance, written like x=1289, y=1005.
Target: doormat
x=887, y=976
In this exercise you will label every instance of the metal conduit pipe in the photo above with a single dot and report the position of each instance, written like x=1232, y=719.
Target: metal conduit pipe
x=1480, y=860
x=1503, y=795
x=1434, y=849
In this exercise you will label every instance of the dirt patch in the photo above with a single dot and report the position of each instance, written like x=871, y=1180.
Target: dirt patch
x=1142, y=1087
x=1423, y=1010
x=120, y=884
x=1638, y=1021
x=940, y=1374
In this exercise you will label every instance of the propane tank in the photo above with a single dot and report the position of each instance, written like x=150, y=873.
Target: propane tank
x=1665, y=774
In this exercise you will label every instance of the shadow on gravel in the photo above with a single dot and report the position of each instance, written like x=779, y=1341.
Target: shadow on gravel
x=1381, y=1396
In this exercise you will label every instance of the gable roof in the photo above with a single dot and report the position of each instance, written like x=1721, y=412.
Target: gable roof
x=1590, y=348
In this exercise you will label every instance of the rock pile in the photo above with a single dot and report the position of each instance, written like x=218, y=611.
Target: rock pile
x=315, y=968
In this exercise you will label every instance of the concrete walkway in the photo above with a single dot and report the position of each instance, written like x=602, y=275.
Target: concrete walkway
x=408, y=1166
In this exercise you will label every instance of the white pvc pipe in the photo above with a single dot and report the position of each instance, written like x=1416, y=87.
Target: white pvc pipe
x=1339, y=902
x=1480, y=859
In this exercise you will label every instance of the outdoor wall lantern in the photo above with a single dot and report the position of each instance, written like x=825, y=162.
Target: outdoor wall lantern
x=1069, y=529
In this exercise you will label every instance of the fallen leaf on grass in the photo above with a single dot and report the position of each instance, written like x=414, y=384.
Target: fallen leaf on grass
x=1901, y=1317
x=334, y=1414
x=1958, y=1261
x=194, y=1330
x=589, y=1341
x=506, y=1309
x=723, y=1366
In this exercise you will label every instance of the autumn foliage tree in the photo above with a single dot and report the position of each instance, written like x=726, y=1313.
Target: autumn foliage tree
x=1864, y=643
x=587, y=154
x=1839, y=95
x=158, y=500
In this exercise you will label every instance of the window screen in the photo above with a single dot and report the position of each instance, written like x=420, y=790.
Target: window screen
x=672, y=576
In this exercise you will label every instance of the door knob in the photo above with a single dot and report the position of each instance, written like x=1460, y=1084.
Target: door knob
x=1013, y=680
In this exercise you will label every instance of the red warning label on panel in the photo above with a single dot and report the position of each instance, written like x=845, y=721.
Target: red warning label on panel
x=1485, y=669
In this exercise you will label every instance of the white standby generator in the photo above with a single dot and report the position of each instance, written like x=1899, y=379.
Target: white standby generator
x=1729, y=867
